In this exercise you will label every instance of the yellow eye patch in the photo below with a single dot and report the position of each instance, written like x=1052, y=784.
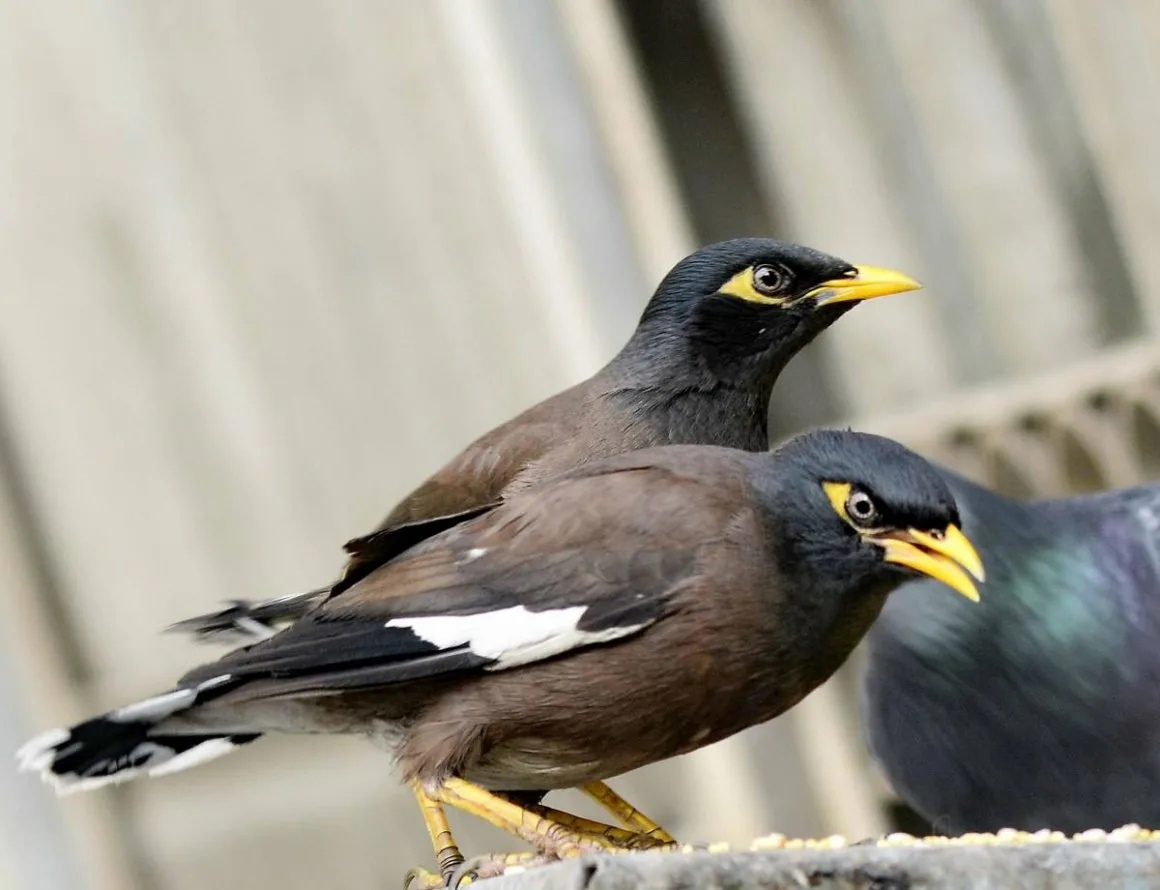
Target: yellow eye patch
x=838, y=493
x=741, y=286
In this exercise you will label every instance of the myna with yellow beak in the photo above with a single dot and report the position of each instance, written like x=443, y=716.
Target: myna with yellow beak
x=630, y=610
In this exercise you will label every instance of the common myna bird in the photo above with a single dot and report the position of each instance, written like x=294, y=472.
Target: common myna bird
x=698, y=370
x=1040, y=708
x=630, y=610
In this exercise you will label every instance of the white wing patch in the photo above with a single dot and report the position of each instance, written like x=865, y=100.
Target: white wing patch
x=514, y=636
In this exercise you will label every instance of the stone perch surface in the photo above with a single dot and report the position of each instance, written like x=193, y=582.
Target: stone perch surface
x=1093, y=861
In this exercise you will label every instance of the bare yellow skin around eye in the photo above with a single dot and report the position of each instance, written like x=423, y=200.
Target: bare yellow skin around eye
x=741, y=286
x=838, y=493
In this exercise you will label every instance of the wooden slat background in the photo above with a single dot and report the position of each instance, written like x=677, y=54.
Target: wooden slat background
x=266, y=263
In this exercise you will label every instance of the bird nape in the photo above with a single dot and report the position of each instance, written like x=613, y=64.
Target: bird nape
x=1038, y=709
x=503, y=654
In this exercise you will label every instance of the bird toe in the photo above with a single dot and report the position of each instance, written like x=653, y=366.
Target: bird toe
x=421, y=879
x=492, y=865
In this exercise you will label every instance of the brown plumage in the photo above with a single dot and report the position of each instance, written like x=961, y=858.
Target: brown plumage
x=630, y=610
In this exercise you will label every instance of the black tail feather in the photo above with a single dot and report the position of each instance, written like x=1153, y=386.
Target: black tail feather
x=126, y=743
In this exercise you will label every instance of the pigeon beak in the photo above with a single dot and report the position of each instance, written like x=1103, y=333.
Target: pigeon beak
x=866, y=283
x=940, y=555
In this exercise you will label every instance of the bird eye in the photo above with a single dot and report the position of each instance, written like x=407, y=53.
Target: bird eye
x=861, y=508
x=769, y=279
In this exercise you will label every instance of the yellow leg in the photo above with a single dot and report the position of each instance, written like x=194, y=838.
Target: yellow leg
x=628, y=815
x=447, y=854
x=546, y=835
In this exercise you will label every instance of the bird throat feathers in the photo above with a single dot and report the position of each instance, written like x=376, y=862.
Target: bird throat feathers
x=732, y=336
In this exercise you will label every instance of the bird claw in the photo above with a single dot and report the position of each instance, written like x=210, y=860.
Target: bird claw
x=463, y=876
x=421, y=879
x=477, y=868
x=492, y=865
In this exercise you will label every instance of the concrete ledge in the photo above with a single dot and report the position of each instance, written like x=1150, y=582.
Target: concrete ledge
x=1055, y=866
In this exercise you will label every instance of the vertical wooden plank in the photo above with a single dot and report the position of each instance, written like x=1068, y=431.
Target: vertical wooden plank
x=1110, y=63
x=576, y=167
x=43, y=845
x=1031, y=292
x=492, y=88
x=620, y=110
x=814, y=142
x=1036, y=73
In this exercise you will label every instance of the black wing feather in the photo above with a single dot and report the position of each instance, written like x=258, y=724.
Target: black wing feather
x=379, y=547
x=344, y=646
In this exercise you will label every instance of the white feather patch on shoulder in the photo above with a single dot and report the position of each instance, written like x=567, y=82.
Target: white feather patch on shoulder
x=512, y=636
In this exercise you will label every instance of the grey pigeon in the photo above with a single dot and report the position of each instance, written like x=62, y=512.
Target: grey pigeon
x=1039, y=707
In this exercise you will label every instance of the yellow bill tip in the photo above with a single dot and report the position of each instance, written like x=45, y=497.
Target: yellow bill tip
x=867, y=283
x=952, y=543
x=946, y=556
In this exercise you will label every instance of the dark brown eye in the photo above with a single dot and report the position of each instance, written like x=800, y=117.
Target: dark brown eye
x=860, y=507
x=769, y=279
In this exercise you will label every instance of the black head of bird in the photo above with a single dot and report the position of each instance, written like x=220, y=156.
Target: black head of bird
x=863, y=519
x=757, y=301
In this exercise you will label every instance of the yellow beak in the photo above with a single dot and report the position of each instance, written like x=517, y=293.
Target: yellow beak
x=940, y=556
x=868, y=283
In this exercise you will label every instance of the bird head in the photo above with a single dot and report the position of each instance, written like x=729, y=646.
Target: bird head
x=751, y=299
x=867, y=512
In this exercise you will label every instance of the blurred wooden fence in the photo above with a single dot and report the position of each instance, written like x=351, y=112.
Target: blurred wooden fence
x=265, y=264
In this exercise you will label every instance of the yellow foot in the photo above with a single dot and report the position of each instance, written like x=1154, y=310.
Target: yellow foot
x=542, y=829
x=477, y=868
x=601, y=835
x=493, y=865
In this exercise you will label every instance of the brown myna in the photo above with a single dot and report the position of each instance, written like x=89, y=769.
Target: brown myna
x=630, y=610
x=699, y=370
